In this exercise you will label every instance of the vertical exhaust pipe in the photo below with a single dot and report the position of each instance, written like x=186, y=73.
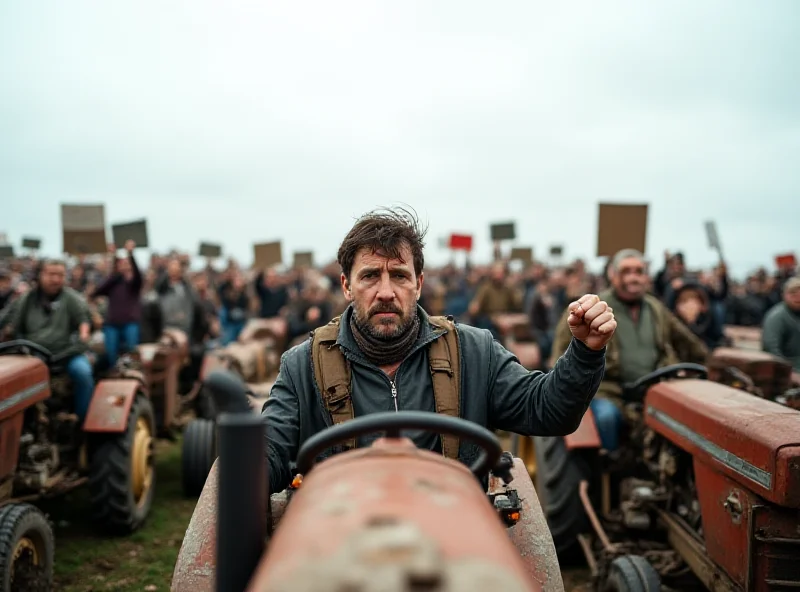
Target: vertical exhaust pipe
x=242, y=508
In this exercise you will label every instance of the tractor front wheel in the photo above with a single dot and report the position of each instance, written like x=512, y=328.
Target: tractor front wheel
x=27, y=548
x=122, y=475
x=197, y=455
x=559, y=473
x=632, y=573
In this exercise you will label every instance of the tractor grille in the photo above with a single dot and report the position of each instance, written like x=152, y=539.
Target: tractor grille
x=779, y=560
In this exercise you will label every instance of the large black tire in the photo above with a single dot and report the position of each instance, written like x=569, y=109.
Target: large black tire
x=204, y=406
x=197, y=455
x=559, y=473
x=27, y=549
x=632, y=573
x=122, y=473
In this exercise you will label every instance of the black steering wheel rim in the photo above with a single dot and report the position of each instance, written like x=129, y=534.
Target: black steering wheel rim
x=14, y=343
x=393, y=423
x=671, y=371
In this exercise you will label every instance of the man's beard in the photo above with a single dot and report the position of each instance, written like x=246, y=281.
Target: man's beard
x=406, y=320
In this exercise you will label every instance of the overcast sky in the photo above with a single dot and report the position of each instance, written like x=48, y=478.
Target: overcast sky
x=252, y=121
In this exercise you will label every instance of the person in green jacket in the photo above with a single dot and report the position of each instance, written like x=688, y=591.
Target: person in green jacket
x=648, y=336
x=781, y=329
x=57, y=318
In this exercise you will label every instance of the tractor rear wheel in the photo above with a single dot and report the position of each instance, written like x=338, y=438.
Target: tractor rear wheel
x=632, y=573
x=27, y=548
x=122, y=474
x=559, y=473
x=197, y=455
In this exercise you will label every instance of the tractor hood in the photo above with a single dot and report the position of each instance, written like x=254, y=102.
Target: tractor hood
x=754, y=441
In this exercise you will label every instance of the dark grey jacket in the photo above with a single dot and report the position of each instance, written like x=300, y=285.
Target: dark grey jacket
x=496, y=392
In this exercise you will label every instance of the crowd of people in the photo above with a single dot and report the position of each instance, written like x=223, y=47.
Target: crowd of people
x=213, y=306
x=60, y=306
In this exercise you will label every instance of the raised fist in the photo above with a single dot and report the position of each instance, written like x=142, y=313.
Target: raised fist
x=591, y=321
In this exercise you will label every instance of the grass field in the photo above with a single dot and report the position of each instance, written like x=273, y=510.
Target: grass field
x=87, y=561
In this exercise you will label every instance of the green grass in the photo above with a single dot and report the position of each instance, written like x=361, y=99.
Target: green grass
x=88, y=561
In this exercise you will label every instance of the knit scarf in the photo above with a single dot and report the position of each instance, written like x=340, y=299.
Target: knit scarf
x=383, y=352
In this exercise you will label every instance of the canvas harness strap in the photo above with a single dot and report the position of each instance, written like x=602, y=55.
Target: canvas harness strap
x=333, y=377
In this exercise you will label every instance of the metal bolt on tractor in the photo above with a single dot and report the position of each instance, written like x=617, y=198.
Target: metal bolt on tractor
x=388, y=517
x=704, y=492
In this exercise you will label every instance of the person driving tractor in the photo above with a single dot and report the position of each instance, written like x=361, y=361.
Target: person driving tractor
x=385, y=353
x=648, y=336
x=57, y=317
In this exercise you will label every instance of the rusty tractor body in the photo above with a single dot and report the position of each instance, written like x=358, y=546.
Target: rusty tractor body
x=254, y=358
x=386, y=517
x=757, y=372
x=743, y=337
x=704, y=495
x=45, y=452
x=517, y=337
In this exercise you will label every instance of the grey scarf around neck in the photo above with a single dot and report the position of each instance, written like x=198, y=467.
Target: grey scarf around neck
x=385, y=352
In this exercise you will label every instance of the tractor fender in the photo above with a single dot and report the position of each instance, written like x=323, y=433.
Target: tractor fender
x=195, y=567
x=111, y=405
x=586, y=436
x=531, y=535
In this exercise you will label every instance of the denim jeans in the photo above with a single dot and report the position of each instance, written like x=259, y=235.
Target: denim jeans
x=79, y=370
x=608, y=419
x=117, y=334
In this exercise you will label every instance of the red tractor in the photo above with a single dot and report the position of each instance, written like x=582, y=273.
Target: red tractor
x=703, y=494
x=758, y=372
x=254, y=358
x=45, y=452
x=385, y=517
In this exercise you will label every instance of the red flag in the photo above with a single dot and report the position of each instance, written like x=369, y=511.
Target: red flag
x=786, y=260
x=461, y=242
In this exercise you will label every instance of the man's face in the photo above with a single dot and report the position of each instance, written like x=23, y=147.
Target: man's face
x=675, y=267
x=124, y=266
x=52, y=278
x=792, y=298
x=384, y=292
x=498, y=273
x=630, y=280
x=174, y=270
x=201, y=283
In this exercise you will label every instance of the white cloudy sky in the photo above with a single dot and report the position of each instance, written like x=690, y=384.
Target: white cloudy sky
x=241, y=122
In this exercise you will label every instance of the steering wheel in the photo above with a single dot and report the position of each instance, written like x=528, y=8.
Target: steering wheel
x=672, y=371
x=392, y=423
x=27, y=347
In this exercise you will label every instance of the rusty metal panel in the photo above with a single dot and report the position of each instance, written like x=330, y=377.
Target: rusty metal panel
x=770, y=374
x=726, y=510
x=10, y=433
x=24, y=381
x=351, y=500
x=734, y=432
x=110, y=406
x=586, y=436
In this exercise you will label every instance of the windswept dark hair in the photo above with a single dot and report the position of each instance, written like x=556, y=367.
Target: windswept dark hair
x=384, y=231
